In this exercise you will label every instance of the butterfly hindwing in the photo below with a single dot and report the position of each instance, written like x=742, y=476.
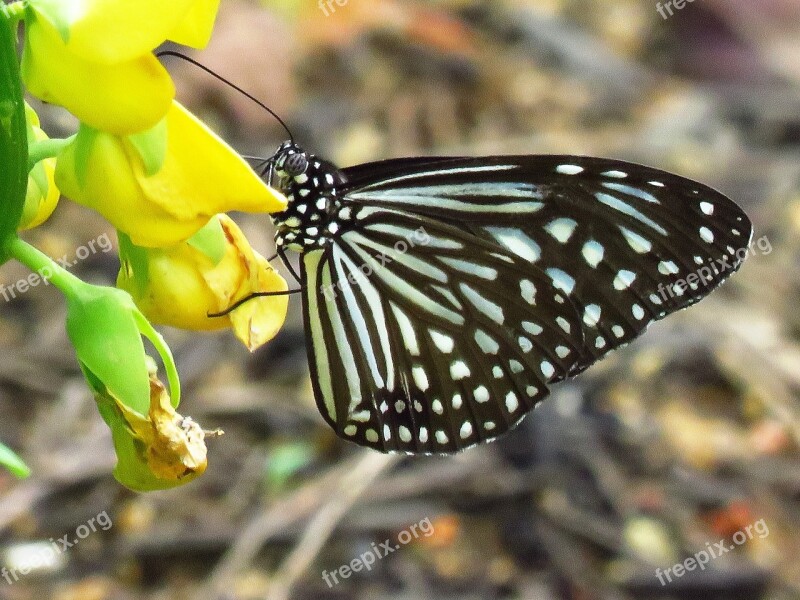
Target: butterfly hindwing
x=425, y=338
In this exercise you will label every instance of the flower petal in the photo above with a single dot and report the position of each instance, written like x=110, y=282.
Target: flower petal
x=203, y=174
x=181, y=285
x=195, y=28
x=258, y=321
x=123, y=98
x=98, y=174
x=114, y=31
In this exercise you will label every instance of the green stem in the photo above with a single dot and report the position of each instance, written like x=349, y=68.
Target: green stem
x=38, y=151
x=166, y=356
x=46, y=267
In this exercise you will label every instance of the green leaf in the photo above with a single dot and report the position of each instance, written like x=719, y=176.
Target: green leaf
x=12, y=462
x=151, y=145
x=210, y=240
x=13, y=137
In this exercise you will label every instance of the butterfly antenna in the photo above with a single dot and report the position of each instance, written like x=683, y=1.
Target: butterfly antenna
x=228, y=83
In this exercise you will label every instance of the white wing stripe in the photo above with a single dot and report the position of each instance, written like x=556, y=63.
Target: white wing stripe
x=390, y=254
x=403, y=288
x=402, y=197
x=342, y=343
x=311, y=264
x=617, y=204
x=378, y=316
x=441, y=172
x=356, y=314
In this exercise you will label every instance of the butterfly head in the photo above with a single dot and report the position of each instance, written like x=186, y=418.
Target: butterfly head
x=290, y=161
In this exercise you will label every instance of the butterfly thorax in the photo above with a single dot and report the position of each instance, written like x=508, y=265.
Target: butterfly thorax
x=310, y=186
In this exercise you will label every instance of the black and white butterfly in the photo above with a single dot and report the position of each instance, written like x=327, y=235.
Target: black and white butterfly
x=444, y=296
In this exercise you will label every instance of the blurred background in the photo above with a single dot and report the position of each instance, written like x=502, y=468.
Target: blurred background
x=687, y=438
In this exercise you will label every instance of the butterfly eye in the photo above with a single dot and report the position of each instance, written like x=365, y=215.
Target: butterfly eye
x=295, y=164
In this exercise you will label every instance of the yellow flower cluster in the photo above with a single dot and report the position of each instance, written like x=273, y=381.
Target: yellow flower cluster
x=146, y=164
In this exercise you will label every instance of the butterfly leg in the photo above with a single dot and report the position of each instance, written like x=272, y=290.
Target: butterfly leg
x=249, y=297
x=289, y=266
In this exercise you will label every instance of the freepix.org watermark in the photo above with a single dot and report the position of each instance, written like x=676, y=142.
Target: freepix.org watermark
x=101, y=243
x=378, y=551
x=706, y=273
x=703, y=557
x=45, y=554
x=418, y=237
x=327, y=8
x=666, y=10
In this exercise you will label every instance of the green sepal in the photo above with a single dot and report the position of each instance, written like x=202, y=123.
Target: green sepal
x=84, y=144
x=134, y=260
x=210, y=240
x=151, y=145
x=57, y=12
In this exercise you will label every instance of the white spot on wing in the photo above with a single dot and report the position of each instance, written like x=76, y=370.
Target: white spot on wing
x=481, y=394
x=512, y=402
x=569, y=169
x=591, y=315
x=624, y=279
x=443, y=342
x=459, y=370
x=627, y=209
x=486, y=343
x=638, y=243
x=561, y=229
x=706, y=234
x=547, y=369
x=487, y=307
x=667, y=267
x=420, y=377
x=593, y=253
x=528, y=291
x=532, y=328
x=638, y=312
x=561, y=280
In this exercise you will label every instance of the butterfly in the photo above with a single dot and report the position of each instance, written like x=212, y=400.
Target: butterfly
x=444, y=296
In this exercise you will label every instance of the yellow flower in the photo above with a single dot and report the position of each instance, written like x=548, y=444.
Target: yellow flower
x=94, y=56
x=161, y=186
x=42, y=195
x=181, y=285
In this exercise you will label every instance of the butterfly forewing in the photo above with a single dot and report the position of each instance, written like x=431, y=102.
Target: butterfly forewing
x=436, y=340
x=628, y=244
